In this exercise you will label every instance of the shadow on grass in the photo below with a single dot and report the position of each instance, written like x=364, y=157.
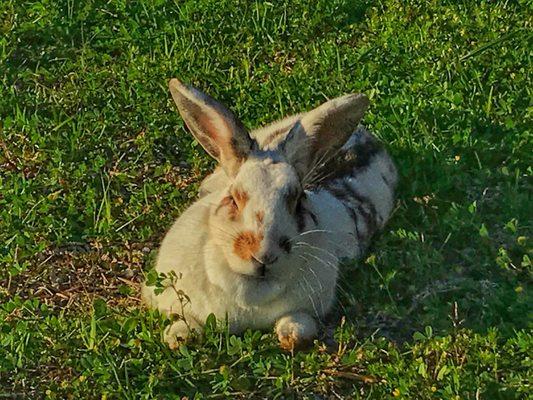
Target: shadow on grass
x=355, y=10
x=456, y=250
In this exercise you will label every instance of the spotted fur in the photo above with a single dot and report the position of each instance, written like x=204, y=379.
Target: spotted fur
x=262, y=244
x=247, y=244
x=260, y=217
x=241, y=198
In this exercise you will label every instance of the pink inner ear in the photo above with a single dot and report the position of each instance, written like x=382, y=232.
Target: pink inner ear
x=220, y=133
x=208, y=133
x=210, y=127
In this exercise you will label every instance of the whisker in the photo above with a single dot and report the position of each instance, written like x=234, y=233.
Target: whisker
x=320, y=163
x=337, y=285
x=317, y=279
x=319, y=248
x=310, y=231
x=325, y=263
x=311, y=298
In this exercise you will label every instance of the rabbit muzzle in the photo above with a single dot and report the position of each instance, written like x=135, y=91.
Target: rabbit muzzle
x=262, y=263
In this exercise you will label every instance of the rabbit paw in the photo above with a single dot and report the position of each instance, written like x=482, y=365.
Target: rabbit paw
x=177, y=333
x=296, y=330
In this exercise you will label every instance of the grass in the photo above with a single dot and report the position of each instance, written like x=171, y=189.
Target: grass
x=95, y=164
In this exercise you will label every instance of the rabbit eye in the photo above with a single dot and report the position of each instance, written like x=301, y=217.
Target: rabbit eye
x=293, y=198
x=230, y=202
x=231, y=205
x=285, y=244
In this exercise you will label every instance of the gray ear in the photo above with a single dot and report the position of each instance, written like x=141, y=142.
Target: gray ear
x=323, y=131
x=215, y=127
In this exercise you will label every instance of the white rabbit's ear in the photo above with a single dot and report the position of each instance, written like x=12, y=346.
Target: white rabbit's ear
x=322, y=131
x=215, y=127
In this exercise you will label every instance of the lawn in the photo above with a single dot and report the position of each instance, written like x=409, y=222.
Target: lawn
x=95, y=164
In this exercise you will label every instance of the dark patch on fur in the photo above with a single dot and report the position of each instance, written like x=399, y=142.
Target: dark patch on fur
x=386, y=181
x=354, y=193
x=366, y=151
x=353, y=205
x=361, y=241
x=285, y=244
x=354, y=200
x=353, y=216
x=339, y=192
x=348, y=161
x=241, y=146
x=369, y=214
x=313, y=217
x=301, y=212
x=291, y=197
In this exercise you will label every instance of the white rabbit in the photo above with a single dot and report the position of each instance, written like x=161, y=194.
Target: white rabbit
x=261, y=246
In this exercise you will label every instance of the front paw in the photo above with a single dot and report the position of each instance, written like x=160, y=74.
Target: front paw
x=296, y=331
x=177, y=333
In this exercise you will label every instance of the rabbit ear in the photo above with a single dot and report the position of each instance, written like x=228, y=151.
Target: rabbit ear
x=219, y=132
x=322, y=131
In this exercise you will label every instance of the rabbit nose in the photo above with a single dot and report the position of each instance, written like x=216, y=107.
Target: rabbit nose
x=261, y=269
x=261, y=263
x=266, y=259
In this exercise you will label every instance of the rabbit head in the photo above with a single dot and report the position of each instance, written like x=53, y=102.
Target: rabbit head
x=255, y=217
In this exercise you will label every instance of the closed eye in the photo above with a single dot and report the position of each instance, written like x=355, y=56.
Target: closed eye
x=230, y=202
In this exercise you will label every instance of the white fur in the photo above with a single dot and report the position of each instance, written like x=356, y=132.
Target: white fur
x=198, y=255
x=298, y=289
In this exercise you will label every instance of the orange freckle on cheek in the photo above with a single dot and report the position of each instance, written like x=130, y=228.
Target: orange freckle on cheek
x=260, y=216
x=247, y=244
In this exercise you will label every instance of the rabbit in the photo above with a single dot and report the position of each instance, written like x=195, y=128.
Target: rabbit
x=262, y=244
